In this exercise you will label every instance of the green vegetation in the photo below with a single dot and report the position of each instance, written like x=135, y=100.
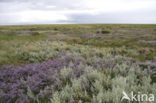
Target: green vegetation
x=76, y=63
x=112, y=35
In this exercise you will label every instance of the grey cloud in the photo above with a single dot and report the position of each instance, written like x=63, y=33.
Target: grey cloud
x=11, y=12
x=122, y=17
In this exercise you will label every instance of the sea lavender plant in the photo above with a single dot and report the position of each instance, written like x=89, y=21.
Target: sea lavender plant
x=18, y=81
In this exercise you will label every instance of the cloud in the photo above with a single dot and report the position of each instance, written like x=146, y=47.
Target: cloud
x=118, y=5
x=77, y=11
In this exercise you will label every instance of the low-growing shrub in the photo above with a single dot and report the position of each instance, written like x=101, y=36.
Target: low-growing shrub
x=97, y=86
x=28, y=82
x=9, y=33
x=35, y=33
x=44, y=50
x=58, y=72
x=70, y=79
x=33, y=29
x=105, y=31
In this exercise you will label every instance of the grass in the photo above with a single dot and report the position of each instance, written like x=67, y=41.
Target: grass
x=72, y=32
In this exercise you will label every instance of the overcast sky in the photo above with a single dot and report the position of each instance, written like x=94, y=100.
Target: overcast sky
x=77, y=11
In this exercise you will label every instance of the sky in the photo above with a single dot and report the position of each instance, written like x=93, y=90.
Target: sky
x=19, y=12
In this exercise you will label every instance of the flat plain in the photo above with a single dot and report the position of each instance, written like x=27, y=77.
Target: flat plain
x=76, y=63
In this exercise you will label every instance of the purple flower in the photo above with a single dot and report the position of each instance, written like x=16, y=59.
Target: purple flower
x=15, y=80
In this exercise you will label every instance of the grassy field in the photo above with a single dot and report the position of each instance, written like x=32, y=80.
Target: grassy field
x=89, y=63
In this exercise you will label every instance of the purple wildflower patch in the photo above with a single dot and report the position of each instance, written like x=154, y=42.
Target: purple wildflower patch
x=16, y=80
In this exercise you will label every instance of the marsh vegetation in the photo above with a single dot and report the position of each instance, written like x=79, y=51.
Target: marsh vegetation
x=76, y=63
